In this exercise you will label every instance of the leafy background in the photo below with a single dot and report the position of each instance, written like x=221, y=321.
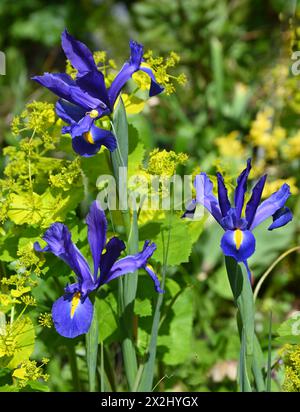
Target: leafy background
x=237, y=58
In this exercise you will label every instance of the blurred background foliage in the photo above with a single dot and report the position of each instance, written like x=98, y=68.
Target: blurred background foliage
x=240, y=100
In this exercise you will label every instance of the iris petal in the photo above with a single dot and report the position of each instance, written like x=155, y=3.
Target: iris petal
x=97, y=226
x=190, y=209
x=241, y=188
x=63, y=86
x=126, y=71
x=281, y=218
x=270, y=206
x=101, y=137
x=204, y=196
x=130, y=263
x=59, y=243
x=254, y=201
x=83, y=126
x=78, y=53
x=68, y=112
x=223, y=195
x=72, y=316
x=105, y=137
x=93, y=82
x=155, y=279
x=114, y=248
x=155, y=87
x=238, y=244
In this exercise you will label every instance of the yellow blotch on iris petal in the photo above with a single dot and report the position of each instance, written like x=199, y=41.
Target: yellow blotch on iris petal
x=75, y=302
x=88, y=137
x=238, y=238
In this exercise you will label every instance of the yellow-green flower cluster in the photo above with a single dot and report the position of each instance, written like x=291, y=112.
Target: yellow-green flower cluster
x=16, y=289
x=265, y=134
x=38, y=116
x=291, y=149
x=67, y=176
x=160, y=67
x=30, y=371
x=45, y=320
x=164, y=163
x=231, y=145
x=291, y=359
x=273, y=186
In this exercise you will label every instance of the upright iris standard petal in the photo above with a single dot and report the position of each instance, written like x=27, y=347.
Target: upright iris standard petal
x=223, y=195
x=255, y=199
x=59, y=243
x=114, y=248
x=97, y=226
x=204, y=196
x=130, y=263
x=239, y=194
x=72, y=316
x=281, y=218
x=88, y=81
x=126, y=72
x=239, y=244
x=129, y=68
x=270, y=206
x=78, y=53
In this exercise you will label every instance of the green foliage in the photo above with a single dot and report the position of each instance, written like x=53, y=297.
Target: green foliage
x=239, y=100
x=183, y=232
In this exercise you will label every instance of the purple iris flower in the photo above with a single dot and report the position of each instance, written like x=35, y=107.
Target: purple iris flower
x=86, y=99
x=73, y=312
x=238, y=240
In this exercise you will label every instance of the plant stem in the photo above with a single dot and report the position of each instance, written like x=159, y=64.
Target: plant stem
x=243, y=298
x=74, y=368
x=92, y=351
x=146, y=383
x=128, y=284
x=269, y=270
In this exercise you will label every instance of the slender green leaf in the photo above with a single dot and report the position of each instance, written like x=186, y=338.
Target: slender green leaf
x=92, y=351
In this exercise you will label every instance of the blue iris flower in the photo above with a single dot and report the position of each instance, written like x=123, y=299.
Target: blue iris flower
x=238, y=240
x=86, y=99
x=73, y=312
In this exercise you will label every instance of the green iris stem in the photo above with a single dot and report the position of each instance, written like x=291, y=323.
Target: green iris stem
x=92, y=351
x=128, y=283
x=74, y=368
x=243, y=298
x=147, y=376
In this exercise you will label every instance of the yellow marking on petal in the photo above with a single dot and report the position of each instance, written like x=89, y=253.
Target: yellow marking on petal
x=94, y=113
x=88, y=137
x=238, y=238
x=146, y=65
x=75, y=303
